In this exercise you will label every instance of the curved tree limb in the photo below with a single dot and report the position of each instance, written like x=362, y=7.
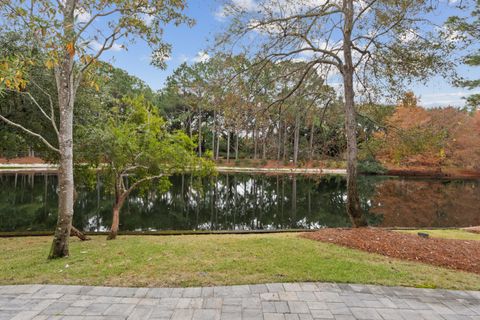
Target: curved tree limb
x=30, y=133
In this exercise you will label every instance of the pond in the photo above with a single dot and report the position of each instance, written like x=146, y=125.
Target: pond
x=28, y=202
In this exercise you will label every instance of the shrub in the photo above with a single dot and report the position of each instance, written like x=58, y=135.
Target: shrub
x=371, y=166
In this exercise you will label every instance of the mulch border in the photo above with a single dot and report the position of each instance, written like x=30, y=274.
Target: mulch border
x=450, y=253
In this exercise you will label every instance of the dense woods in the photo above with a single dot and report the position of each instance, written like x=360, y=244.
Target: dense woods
x=436, y=137
x=216, y=109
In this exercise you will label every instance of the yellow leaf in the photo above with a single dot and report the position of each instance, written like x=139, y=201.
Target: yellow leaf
x=49, y=64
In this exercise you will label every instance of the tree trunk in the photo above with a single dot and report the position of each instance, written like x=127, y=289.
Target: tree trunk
x=255, y=145
x=66, y=97
x=264, y=145
x=236, y=144
x=199, y=131
x=228, y=146
x=312, y=128
x=77, y=233
x=116, y=208
x=115, y=221
x=279, y=150
x=214, y=131
x=218, y=146
x=296, y=137
x=285, y=141
x=353, y=200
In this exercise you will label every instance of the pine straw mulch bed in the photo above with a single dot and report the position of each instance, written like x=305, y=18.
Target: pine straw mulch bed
x=456, y=254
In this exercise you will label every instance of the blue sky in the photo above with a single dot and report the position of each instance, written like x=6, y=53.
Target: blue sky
x=189, y=43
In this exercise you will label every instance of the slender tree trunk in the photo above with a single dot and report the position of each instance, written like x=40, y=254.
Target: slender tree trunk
x=279, y=150
x=214, y=132
x=264, y=145
x=119, y=200
x=200, y=131
x=66, y=97
x=353, y=200
x=236, y=144
x=228, y=146
x=255, y=145
x=296, y=137
x=312, y=128
x=115, y=221
x=285, y=141
x=218, y=145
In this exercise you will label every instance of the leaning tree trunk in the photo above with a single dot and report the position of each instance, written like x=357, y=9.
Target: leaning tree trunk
x=120, y=197
x=121, y=194
x=66, y=97
x=353, y=200
x=115, y=220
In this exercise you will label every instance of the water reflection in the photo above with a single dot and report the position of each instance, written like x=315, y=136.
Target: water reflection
x=244, y=202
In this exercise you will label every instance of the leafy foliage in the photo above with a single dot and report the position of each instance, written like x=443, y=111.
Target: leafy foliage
x=467, y=31
x=431, y=137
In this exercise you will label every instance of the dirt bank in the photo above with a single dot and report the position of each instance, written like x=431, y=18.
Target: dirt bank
x=434, y=172
x=22, y=160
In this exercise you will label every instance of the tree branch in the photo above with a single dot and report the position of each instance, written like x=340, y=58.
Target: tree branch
x=30, y=133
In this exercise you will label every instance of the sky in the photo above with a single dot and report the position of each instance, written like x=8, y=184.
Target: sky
x=190, y=44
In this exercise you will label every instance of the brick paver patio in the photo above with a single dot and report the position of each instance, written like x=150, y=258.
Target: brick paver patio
x=287, y=301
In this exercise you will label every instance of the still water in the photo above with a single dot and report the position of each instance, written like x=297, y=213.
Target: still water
x=245, y=202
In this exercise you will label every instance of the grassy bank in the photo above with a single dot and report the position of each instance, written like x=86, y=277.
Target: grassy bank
x=212, y=260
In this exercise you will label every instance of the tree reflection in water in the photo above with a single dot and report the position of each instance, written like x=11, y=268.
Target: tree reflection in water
x=245, y=202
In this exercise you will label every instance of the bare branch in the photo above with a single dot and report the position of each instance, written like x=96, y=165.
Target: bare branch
x=52, y=107
x=30, y=133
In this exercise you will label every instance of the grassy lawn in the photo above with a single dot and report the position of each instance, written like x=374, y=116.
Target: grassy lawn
x=447, y=234
x=212, y=260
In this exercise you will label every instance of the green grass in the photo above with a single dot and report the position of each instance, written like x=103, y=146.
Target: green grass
x=447, y=234
x=213, y=260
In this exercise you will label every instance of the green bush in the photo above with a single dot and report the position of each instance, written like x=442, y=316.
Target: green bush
x=371, y=166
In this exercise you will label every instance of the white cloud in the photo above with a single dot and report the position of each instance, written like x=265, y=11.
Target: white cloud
x=244, y=5
x=220, y=14
x=95, y=45
x=445, y=99
x=82, y=16
x=247, y=5
x=201, y=56
x=147, y=18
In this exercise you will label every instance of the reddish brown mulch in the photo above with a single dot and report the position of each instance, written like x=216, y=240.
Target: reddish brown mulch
x=456, y=254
